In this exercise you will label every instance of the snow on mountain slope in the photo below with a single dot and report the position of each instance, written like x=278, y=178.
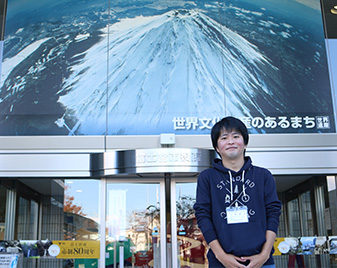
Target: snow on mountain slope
x=181, y=63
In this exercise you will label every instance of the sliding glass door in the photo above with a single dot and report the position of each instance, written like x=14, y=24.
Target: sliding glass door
x=135, y=223
x=191, y=248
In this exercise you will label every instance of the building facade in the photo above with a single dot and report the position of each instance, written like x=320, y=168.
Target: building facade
x=106, y=110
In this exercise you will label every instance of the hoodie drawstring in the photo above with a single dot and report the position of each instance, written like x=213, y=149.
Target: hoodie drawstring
x=243, y=184
x=231, y=183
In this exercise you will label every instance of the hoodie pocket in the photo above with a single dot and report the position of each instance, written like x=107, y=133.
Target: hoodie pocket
x=243, y=239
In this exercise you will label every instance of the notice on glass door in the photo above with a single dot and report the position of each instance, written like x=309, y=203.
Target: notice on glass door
x=8, y=260
x=60, y=249
x=63, y=249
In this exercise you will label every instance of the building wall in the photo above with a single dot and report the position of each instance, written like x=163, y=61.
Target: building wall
x=291, y=153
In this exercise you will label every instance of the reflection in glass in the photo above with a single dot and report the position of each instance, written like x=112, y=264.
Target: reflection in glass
x=55, y=209
x=27, y=219
x=81, y=215
x=80, y=211
x=294, y=218
x=133, y=225
x=308, y=223
x=2, y=211
x=192, y=245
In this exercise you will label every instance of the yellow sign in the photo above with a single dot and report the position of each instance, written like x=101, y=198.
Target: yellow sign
x=278, y=246
x=77, y=249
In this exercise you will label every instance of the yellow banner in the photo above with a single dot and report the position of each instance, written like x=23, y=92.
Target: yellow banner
x=76, y=249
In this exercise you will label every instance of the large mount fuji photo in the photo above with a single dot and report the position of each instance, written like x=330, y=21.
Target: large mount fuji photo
x=135, y=69
x=178, y=63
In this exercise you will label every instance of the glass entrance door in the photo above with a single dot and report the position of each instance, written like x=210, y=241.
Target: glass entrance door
x=135, y=223
x=305, y=208
x=3, y=196
x=190, y=248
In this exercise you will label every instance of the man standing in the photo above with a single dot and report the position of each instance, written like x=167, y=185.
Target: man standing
x=237, y=207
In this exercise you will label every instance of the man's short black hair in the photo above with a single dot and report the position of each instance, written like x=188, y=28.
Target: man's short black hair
x=230, y=124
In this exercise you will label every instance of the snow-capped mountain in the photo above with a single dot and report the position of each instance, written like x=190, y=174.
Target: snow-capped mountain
x=181, y=63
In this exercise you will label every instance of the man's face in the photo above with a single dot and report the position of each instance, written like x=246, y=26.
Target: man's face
x=231, y=145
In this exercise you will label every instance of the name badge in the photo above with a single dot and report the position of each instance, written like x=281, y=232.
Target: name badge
x=237, y=215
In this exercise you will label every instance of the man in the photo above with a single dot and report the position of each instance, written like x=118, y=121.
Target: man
x=237, y=207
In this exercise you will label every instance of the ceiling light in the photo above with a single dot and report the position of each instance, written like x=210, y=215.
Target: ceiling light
x=334, y=10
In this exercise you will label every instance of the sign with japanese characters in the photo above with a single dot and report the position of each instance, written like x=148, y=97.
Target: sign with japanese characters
x=60, y=249
x=76, y=249
x=255, y=124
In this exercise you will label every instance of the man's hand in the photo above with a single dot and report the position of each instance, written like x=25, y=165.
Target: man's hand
x=256, y=261
x=227, y=260
x=231, y=261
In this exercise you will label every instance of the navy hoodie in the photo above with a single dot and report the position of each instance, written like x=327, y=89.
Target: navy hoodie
x=253, y=187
